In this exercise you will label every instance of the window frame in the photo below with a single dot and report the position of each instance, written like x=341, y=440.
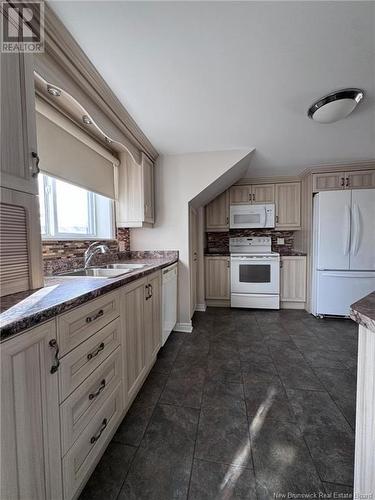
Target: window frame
x=51, y=216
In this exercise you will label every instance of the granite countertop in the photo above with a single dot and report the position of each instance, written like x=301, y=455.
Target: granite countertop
x=283, y=253
x=24, y=310
x=363, y=312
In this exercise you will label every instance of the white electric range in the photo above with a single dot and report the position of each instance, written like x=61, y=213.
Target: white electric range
x=255, y=273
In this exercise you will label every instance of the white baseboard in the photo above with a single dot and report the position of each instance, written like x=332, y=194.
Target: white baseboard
x=201, y=307
x=183, y=327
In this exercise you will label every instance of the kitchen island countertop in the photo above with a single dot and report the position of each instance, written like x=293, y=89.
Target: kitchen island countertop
x=363, y=311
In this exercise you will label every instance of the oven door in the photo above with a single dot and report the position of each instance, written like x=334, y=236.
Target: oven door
x=248, y=216
x=253, y=274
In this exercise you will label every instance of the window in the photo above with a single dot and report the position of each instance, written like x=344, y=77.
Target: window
x=71, y=212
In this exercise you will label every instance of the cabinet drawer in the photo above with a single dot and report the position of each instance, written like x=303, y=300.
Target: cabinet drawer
x=76, y=326
x=81, y=457
x=77, y=411
x=76, y=366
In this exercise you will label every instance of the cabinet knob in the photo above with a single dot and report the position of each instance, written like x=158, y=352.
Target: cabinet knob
x=347, y=183
x=342, y=182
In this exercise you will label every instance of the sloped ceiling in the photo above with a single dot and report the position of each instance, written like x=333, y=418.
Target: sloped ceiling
x=206, y=76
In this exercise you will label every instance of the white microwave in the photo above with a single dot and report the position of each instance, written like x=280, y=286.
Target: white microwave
x=252, y=216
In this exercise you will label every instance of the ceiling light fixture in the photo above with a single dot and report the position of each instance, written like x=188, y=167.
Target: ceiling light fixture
x=86, y=120
x=335, y=106
x=53, y=91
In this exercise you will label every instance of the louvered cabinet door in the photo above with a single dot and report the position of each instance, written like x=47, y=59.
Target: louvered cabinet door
x=20, y=242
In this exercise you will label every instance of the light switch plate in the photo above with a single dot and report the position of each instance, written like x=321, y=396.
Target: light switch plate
x=280, y=241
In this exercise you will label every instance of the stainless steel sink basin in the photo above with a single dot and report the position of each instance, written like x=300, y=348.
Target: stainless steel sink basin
x=124, y=266
x=97, y=272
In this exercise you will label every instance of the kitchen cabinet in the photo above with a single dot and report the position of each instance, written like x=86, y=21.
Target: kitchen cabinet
x=240, y=194
x=217, y=213
x=30, y=437
x=135, y=205
x=293, y=281
x=288, y=205
x=19, y=159
x=133, y=307
x=217, y=278
x=358, y=179
x=20, y=242
x=141, y=306
x=263, y=193
x=153, y=317
x=355, y=179
x=252, y=193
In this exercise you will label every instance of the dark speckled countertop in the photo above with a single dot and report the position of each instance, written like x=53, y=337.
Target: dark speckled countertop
x=27, y=309
x=363, y=312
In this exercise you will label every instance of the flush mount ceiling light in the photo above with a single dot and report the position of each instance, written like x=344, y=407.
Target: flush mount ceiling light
x=335, y=106
x=53, y=91
x=86, y=120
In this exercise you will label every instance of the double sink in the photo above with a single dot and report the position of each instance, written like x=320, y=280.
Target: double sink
x=107, y=271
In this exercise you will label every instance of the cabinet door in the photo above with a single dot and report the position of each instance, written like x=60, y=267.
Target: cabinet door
x=263, y=193
x=217, y=213
x=30, y=437
x=288, y=205
x=153, y=318
x=217, y=278
x=240, y=194
x=328, y=181
x=293, y=279
x=360, y=179
x=148, y=189
x=20, y=242
x=133, y=317
x=18, y=131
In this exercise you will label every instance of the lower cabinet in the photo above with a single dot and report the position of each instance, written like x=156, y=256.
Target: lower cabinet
x=61, y=407
x=142, y=328
x=293, y=282
x=217, y=278
x=30, y=437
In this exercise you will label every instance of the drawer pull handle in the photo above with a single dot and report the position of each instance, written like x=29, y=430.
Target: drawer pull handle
x=95, y=316
x=93, y=395
x=103, y=426
x=96, y=352
x=148, y=296
x=56, y=362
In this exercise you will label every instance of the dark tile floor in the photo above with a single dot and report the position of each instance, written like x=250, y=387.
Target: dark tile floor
x=251, y=404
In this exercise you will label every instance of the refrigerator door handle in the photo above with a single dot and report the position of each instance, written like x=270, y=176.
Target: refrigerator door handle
x=347, y=230
x=356, y=229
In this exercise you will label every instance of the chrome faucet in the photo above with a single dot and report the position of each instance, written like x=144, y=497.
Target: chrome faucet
x=92, y=250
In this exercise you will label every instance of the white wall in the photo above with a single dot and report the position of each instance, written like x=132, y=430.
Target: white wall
x=179, y=179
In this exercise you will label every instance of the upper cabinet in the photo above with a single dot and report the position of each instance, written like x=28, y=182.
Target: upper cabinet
x=288, y=205
x=217, y=213
x=263, y=193
x=240, y=194
x=255, y=193
x=355, y=179
x=19, y=159
x=135, y=205
x=286, y=196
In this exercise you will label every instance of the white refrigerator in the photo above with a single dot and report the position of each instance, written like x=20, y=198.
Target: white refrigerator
x=344, y=249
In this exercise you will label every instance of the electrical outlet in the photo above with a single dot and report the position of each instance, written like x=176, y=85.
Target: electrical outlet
x=280, y=241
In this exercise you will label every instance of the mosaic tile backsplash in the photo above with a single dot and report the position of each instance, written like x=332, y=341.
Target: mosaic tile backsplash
x=219, y=242
x=65, y=255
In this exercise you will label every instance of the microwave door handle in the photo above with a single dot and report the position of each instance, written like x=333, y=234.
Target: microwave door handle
x=265, y=216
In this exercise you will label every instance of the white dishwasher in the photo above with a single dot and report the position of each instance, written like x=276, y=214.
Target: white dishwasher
x=169, y=296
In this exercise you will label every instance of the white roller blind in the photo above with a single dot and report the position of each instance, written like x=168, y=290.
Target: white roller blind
x=66, y=152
